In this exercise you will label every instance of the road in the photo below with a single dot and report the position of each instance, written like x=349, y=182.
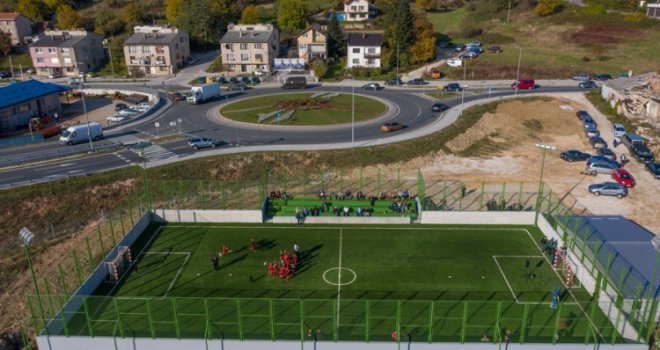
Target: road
x=409, y=107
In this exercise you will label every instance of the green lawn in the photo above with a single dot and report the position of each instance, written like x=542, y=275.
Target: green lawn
x=431, y=280
x=17, y=60
x=338, y=111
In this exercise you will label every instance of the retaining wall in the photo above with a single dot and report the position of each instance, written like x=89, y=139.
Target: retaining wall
x=478, y=217
x=208, y=216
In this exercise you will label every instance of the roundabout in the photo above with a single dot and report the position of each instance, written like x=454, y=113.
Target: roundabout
x=335, y=279
x=309, y=109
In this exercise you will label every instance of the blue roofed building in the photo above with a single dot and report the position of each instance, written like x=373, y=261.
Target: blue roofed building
x=21, y=101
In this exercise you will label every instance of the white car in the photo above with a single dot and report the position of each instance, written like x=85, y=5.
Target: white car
x=143, y=106
x=130, y=111
x=454, y=62
x=618, y=130
x=474, y=44
x=117, y=118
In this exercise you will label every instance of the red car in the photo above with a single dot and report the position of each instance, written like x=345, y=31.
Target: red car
x=623, y=177
x=524, y=84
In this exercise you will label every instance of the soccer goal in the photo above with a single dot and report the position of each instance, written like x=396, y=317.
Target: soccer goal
x=118, y=266
x=564, y=262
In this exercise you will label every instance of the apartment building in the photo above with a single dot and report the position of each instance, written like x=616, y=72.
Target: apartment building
x=250, y=48
x=357, y=10
x=16, y=25
x=67, y=53
x=364, y=50
x=313, y=43
x=156, y=50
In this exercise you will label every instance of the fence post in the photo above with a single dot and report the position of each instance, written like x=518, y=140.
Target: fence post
x=112, y=231
x=89, y=255
x=88, y=317
x=119, y=322
x=302, y=320
x=34, y=318
x=520, y=192
x=78, y=269
x=366, y=321
x=481, y=196
x=152, y=328
x=523, y=326
x=460, y=197
x=464, y=321
x=272, y=319
x=62, y=280
x=431, y=311
x=591, y=326
x=398, y=322
x=555, y=334
x=649, y=295
x=50, y=300
x=177, y=329
x=62, y=316
x=98, y=233
x=378, y=181
x=121, y=219
x=240, y=319
x=502, y=197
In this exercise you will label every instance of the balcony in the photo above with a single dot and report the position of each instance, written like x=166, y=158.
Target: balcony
x=372, y=55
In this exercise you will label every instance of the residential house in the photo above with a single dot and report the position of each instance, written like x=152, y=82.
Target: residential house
x=358, y=10
x=313, y=43
x=250, y=48
x=67, y=53
x=364, y=49
x=22, y=101
x=653, y=10
x=16, y=25
x=156, y=50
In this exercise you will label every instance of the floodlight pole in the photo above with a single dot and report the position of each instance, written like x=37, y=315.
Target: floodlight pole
x=26, y=237
x=353, y=116
x=518, y=70
x=538, y=196
x=81, y=76
x=462, y=98
x=146, y=180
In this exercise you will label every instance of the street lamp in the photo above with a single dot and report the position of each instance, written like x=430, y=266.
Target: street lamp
x=518, y=70
x=464, y=61
x=463, y=98
x=81, y=77
x=353, y=116
x=545, y=148
x=112, y=65
x=26, y=237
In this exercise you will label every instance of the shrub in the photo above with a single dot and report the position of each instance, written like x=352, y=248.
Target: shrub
x=594, y=10
x=635, y=17
x=319, y=68
x=216, y=66
x=548, y=7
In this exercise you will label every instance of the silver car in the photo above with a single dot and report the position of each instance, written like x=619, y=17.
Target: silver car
x=197, y=142
x=591, y=131
x=599, y=167
x=609, y=189
x=618, y=130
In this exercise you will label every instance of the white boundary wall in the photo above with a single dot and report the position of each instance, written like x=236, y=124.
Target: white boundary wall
x=478, y=217
x=208, y=216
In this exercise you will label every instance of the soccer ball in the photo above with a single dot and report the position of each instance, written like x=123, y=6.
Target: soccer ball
x=230, y=275
x=198, y=274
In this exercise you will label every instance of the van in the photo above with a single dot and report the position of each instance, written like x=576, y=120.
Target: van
x=295, y=83
x=435, y=73
x=630, y=138
x=524, y=84
x=79, y=133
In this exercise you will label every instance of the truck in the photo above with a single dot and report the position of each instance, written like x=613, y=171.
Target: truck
x=79, y=133
x=295, y=83
x=203, y=93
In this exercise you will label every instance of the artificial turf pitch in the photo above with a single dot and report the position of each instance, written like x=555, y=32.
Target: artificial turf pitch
x=435, y=283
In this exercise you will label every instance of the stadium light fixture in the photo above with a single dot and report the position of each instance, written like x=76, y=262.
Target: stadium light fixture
x=27, y=237
x=544, y=148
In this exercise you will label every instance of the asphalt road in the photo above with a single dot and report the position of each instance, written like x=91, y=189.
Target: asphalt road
x=412, y=109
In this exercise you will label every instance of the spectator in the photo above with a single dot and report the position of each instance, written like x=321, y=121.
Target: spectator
x=325, y=206
x=305, y=211
x=359, y=195
x=372, y=200
x=359, y=211
x=335, y=210
x=348, y=195
x=321, y=194
x=315, y=211
x=346, y=211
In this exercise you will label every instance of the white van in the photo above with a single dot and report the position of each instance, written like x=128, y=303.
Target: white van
x=78, y=133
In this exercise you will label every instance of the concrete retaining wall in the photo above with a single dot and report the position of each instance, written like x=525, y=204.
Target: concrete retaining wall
x=478, y=217
x=198, y=216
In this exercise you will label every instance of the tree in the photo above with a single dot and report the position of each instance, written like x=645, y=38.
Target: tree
x=173, y=11
x=547, y=7
x=5, y=43
x=67, y=17
x=292, y=15
x=250, y=15
x=424, y=48
x=320, y=68
x=133, y=13
x=32, y=9
x=400, y=27
x=108, y=23
x=424, y=4
x=53, y=5
x=336, y=39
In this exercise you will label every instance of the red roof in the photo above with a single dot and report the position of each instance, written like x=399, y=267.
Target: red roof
x=8, y=15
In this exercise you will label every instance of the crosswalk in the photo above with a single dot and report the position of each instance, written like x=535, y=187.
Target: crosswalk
x=151, y=151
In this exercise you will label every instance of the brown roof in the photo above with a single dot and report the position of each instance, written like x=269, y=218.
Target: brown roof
x=9, y=15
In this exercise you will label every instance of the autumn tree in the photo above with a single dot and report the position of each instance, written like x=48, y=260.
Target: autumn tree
x=547, y=7
x=32, y=9
x=67, y=17
x=108, y=23
x=133, y=13
x=292, y=15
x=173, y=11
x=250, y=15
x=336, y=39
x=424, y=48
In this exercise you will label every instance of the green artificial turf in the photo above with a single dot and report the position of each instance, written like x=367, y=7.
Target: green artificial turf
x=439, y=283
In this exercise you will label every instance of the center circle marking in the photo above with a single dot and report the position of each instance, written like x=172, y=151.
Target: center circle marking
x=338, y=283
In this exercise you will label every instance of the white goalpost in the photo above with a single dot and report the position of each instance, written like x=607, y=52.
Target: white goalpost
x=564, y=262
x=119, y=264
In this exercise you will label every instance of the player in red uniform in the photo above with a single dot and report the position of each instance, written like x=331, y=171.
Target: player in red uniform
x=253, y=245
x=295, y=260
x=224, y=251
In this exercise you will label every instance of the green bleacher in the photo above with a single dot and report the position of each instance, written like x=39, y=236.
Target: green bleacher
x=287, y=207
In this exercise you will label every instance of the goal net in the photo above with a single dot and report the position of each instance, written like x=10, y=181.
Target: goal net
x=564, y=262
x=119, y=264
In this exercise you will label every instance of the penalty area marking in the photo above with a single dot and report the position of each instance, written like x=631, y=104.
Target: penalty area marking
x=338, y=283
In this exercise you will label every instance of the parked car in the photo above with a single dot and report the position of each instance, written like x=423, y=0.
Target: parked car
x=476, y=49
x=623, y=177
x=454, y=62
x=244, y=80
x=607, y=153
x=255, y=80
x=581, y=114
x=595, y=159
x=581, y=77
x=654, y=169
x=177, y=96
x=618, y=130
x=630, y=139
x=641, y=153
x=452, y=87
x=470, y=54
x=417, y=81
x=120, y=107
x=129, y=111
x=474, y=43
x=602, y=77
x=117, y=118
x=609, y=189
x=394, y=81
x=237, y=87
x=600, y=168
x=435, y=73
x=233, y=80
x=5, y=74
x=597, y=142
x=389, y=127
x=591, y=131
x=524, y=84
x=439, y=107
x=371, y=86
x=197, y=142
x=459, y=47
x=572, y=155
x=143, y=106
x=222, y=80
x=494, y=49
x=444, y=44
x=588, y=84
x=588, y=120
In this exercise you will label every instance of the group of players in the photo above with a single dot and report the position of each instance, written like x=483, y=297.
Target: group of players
x=286, y=268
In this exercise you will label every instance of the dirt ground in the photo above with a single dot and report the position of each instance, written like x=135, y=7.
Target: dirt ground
x=98, y=109
x=518, y=126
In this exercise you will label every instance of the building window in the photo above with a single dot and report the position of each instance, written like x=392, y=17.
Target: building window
x=24, y=107
x=132, y=49
x=230, y=57
x=301, y=47
x=353, y=8
x=257, y=46
x=229, y=47
x=38, y=50
x=55, y=60
x=232, y=66
x=64, y=50
x=243, y=46
x=40, y=60
x=356, y=61
x=70, y=69
x=361, y=8
x=52, y=50
x=259, y=57
x=371, y=50
x=370, y=61
x=245, y=57
x=67, y=60
x=356, y=50
x=164, y=69
x=146, y=49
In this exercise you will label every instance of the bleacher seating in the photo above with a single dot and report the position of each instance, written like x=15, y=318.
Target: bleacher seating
x=383, y=207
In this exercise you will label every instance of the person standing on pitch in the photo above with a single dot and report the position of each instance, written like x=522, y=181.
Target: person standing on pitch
x=216, y=262
x=296, y=249
x=253, y=245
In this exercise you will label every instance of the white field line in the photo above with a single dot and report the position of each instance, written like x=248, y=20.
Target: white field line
x=339, y=276
x=353, y=228
x=505, y=279
x=178, y=272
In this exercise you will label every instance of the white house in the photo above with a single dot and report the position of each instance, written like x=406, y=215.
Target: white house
x=364, y=50
x=357, y=10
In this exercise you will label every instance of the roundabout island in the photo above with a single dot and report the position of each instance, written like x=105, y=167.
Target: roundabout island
x=304, y=109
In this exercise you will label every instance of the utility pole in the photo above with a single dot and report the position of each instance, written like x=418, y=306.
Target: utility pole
x=11, y=68
x=518, y=70
x=508, y=14
x=397, y=62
